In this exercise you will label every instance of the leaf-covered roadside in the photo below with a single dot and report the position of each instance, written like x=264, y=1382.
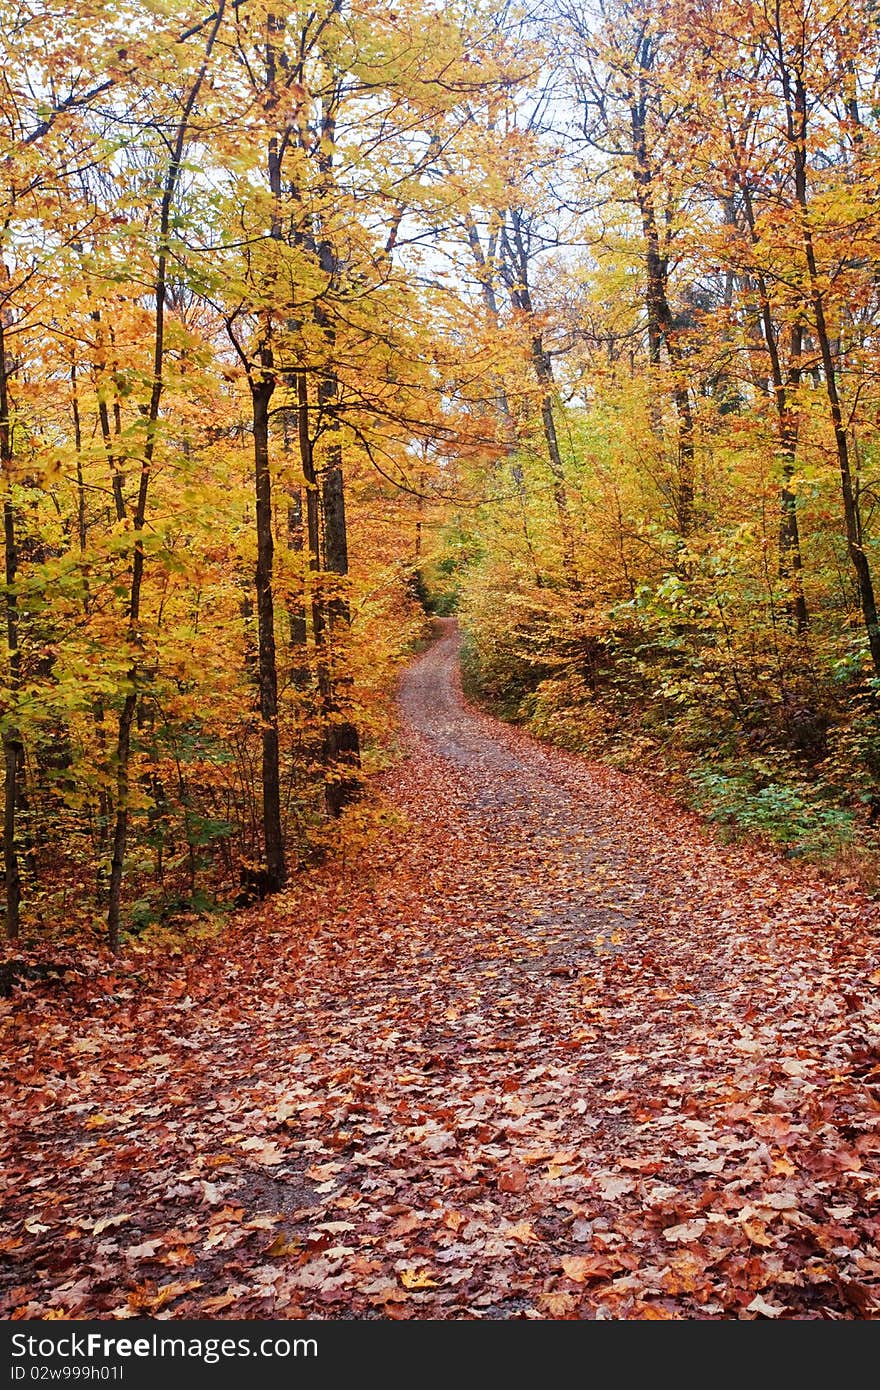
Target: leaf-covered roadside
x=551, y=1051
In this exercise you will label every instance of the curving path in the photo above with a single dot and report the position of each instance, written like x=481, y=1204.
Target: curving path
x=546, y=1050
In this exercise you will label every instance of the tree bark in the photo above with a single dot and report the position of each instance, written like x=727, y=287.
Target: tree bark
x=341, y=738
x=660, y=324
x=262, y=388
x=521, y=299
x=790, y=558
x=13, y=750
x=796, y=110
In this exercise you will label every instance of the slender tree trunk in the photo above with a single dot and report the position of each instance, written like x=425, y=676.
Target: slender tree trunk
x=797, y=128
x=852, y=518
x=99, y=838
x=341, y=738
x=521, y=299
x=261, y=393
x=485, y=271
x=790, y=558
x=12, y=747
x=660, y=325
x=116, y=474
x=13, y=751
x=296, y=612
x=77, y=441
x=313, y=517
x=126, y=717
x=544, y=373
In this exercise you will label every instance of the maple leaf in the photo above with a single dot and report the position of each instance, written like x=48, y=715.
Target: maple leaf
x=145, y=1250
x=324, y=1172
x=513, y=1179
x=582, y=1268
x=417, y=1279
x=686, y=1231
x=405, y=1223
x=106, y=1222
x=264, y=1151
x=218, y=1303
x=757, y=1232
x=760, y=1306
x=653, y=1312
x=521, y=1232
x=282, y=1246
x=558, y=1305
x=612, y=1185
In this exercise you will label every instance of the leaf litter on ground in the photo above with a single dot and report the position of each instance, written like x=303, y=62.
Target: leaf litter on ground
x=547, y=1050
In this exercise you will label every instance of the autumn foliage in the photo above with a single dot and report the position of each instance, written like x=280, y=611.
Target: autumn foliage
x=368, y=376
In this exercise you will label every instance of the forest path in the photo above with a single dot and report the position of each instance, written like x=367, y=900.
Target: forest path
x=549, y=1050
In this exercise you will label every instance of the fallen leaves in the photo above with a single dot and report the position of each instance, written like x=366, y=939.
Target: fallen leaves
x=581, y=1268
x=513, y=1179
x=417, y=1279
x=763, y=1309
x=686, y=1232
x=263, y=1151
x=426, y=1092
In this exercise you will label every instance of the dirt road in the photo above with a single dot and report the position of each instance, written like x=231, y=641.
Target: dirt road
x=548, y=1050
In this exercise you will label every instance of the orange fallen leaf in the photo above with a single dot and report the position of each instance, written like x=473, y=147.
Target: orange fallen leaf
x=513, y=1179
x=522, y=1232
x=417, y=1279
x=558, y=1305
x=581, y=1268
x=757, y=1232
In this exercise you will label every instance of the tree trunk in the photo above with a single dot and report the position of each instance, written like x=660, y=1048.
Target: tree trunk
x=341, y=739
x=126, y=717
x=660, y=324
x=342, y=753
x=273, y=838
x=13, y=751
x=797, y=130
x=544, y=373
x=790, y=559
x=296, y=612
x=116, y=475
x=81, y=535
x=521, y=299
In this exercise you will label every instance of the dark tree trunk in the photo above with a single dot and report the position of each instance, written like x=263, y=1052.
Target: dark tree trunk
x=13, y=751
x=116, y=475
x=796, y=107
x=544, y=373
x=521, y=299
x=341, y=739
x=273, y=838
x=790, y=559
x=296, y=613
x=80, y=481
x=660, y=325
x=342, y=751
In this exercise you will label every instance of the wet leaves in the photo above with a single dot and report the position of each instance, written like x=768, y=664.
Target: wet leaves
x=548, y=1052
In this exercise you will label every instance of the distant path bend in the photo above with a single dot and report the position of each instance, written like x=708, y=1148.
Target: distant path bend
x=513, y=795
